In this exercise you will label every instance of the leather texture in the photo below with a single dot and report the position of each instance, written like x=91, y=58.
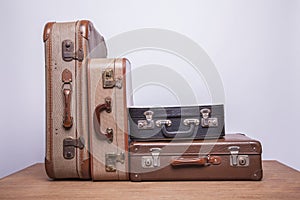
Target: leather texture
x=197, y=160
x=177, y=129
x=112, y=117
x=57, y=166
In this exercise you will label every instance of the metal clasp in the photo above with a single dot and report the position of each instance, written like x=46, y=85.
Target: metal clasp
x=167, y=122
x=187, y=122
x=148, y=123
x=69, y=145
x=68, y=51
x=238, y=160
x=206, y=121
x=109, y=81
x=153, y=160
x=111, y=160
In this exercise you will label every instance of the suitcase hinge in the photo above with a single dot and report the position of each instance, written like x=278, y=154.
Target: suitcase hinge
x=206, y=121
x=236, y=159
x=69, y=53
x=148, y=123
x=109, y=81
x=153, y=160
x=69, y=145
x=111, y=160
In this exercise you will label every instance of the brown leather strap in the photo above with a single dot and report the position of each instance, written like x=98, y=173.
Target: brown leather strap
x=201, y=161
x=67, y=92
x=97, y=122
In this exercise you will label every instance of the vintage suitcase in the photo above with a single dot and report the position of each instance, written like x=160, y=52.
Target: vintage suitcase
x=168, y=123
x=109, y=89
x=67, y=47
x=234, y=157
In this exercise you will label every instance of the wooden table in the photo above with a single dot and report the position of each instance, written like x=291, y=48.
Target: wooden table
x=279, y=182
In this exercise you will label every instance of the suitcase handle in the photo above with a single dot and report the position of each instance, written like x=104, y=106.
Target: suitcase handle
x=67, y=92
x=181, y=134
x=203, y=161
x=97, y=125
x=68, y=119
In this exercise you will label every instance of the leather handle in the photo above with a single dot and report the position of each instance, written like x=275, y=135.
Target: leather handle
x=68, y=119
x=97, y=121
x=67, y=92
x=170, y=134
x=203, y=161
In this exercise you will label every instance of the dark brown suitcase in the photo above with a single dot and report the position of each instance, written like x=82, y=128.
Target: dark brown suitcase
x=234, y=157
x=169, y=123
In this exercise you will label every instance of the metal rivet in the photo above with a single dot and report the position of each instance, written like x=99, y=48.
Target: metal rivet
x=136, y=149
x=136, y=175
x=68, y=44
x=255, y=175
x=69, y=154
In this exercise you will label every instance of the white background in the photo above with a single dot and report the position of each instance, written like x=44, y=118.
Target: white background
x=255, y=46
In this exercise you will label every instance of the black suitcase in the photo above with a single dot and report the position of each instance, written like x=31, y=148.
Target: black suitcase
x=168, y=123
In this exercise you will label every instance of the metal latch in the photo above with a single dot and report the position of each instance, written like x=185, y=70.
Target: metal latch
x=148, y=123
x=69, y=145
x=111, y=160
x=187, y=122
x=206, y=121
x=236, y=159
x=109, y=81
x=68, y=52
x=167, y=122
x=153, y=160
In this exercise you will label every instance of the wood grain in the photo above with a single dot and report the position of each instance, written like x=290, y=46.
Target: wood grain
x=279, y=182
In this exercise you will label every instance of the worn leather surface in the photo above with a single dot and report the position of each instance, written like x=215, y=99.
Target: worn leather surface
x=116, y=119
x=177, y=115
x=54, y=33
x=197, y=149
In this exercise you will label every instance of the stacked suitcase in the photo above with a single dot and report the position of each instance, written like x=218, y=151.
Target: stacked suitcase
x=189, y=143
x=94, y=132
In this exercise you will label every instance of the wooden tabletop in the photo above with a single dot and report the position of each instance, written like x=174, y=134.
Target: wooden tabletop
x=279, y=182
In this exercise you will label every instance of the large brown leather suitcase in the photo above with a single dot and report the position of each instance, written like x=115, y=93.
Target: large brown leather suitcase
x=170, y=123
x=234, y=157
x=67, y=47
x=109, y=87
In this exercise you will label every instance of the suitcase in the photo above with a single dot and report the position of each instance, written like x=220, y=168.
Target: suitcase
x=169, y=123
x=109, y=87
x=67, y=47
x=234, y=157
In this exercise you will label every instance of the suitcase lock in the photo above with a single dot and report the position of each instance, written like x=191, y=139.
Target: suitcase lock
x=69, y=145
x=111, y=160
x=148, y=123
x=237, y=160
x=68, y=52
x=109, y=81
x=153, y=160
x=206, y=120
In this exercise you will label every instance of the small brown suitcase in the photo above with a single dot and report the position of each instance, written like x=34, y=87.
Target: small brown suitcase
x=234, y=157
x=109, y=87
x=67, y=47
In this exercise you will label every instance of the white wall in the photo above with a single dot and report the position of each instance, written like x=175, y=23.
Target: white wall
x=253, y=43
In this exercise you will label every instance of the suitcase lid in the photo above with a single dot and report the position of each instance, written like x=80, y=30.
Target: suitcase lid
x=229, y=144
x=174, y=111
